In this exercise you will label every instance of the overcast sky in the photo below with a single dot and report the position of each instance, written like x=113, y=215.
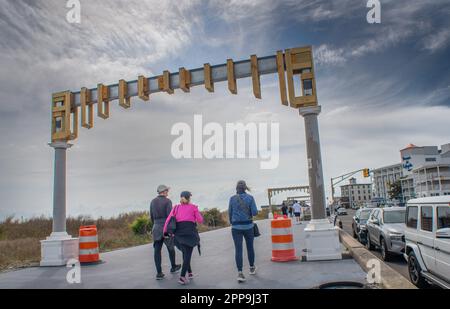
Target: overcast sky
x=381, y=86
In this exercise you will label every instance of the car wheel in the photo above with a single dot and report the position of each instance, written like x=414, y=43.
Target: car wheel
x=369, y=245
x=385, y=255
x=354, y=233
x=414, y=271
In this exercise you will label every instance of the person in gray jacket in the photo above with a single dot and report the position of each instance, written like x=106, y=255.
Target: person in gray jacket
x=160, y=208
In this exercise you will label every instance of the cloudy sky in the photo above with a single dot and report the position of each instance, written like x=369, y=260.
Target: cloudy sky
x=381, y=86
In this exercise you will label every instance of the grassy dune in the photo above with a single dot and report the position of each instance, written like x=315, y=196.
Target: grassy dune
x=20, y=240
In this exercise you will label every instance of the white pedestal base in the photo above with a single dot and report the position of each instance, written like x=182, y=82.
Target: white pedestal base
x=58, y=248
x=322, y=241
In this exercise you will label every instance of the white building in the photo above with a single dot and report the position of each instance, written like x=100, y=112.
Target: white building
x=382, y=177
x=423, y=171
x=356, y=193
x=429, y=169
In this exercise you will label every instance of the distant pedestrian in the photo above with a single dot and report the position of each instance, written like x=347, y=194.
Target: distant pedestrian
x=186, y=234
x=291, y=211
x=160, y=209
x=284, y=209
x=297, y=212
x=241, y=210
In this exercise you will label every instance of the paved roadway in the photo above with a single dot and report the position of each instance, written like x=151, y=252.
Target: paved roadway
x=215, y=268
x=398, y=263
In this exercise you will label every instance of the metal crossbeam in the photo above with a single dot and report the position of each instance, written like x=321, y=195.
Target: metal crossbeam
x=242, y=69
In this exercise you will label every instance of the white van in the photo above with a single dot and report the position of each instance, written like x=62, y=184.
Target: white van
x=427, y=240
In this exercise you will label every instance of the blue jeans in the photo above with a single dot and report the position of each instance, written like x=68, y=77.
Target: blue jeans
x=238, y=236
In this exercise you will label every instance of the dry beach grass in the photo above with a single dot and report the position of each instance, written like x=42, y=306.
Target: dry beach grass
x=20, y=239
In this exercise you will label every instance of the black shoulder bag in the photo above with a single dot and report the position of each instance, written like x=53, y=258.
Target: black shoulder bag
x=255, y=226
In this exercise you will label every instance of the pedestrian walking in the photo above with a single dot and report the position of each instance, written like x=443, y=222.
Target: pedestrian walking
x=185, y=234
x=284, y=209
x=160, y=208
x=297, y=212
x=241, y=210
x=291, y=211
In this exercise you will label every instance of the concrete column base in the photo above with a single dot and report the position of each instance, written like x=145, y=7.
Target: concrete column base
x=58, y=249
x=322, y=241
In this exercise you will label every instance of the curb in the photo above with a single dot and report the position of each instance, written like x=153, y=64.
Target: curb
x=390, y=279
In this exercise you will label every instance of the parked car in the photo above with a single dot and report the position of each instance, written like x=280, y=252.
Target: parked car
x=427, y=238
x=341, y=211
x=386, y=230
x=359, y=224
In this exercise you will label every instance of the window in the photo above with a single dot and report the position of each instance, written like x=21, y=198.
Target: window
x=426, y=218
x=412, y=216
x=394, y=216
x=443, y=217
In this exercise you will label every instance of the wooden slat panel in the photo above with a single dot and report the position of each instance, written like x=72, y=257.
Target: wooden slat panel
x=124, y=99
x=231, y=77
x=255, y=77
x=103, y=101
x=143, y=89
x=87, y=119
x=209, y=84
x=185, y=79
x=166, y=82
x=281, y=78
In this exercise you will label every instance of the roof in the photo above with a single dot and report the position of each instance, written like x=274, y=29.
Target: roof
x=430, y=200
x=410, y=146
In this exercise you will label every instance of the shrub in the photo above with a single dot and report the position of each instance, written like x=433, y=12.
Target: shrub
x=141, y=225
x=213, y=217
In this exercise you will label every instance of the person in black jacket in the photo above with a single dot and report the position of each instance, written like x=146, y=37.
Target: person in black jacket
x=160, y=209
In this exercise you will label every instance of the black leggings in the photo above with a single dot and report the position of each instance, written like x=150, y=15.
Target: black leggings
x=187, y=254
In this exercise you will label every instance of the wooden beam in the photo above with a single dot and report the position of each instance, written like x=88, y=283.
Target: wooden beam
x=185, y=79
x=282, y=78
x=209, y=84
x=61, y=109
x=87, y=119
x=166, y=82
x=102, y=101
x=231, y=77
x=124, y=99
x=74, y=114
x=143, y=89
x=255, y=77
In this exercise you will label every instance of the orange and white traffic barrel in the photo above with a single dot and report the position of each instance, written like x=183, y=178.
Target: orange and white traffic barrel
x=89, y=250
x=282, y=240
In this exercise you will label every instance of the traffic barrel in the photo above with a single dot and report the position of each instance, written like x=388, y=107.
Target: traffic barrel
x=89, y=250
x=282, y=240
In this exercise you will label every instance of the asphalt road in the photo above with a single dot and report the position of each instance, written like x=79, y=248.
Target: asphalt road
x=398, y=263
x=214, y=268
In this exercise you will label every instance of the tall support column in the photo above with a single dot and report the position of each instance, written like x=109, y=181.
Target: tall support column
x=59, y=247
x=322, y=238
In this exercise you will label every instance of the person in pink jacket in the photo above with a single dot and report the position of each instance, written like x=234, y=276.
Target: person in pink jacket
x=185, y=232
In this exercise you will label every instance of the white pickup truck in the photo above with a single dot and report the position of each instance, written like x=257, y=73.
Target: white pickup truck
x=427, y=241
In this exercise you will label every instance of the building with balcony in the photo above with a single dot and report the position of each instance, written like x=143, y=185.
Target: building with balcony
x=423, y=171
x=355, y=194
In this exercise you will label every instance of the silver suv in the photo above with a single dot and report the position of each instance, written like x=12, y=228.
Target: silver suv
x=386, y=230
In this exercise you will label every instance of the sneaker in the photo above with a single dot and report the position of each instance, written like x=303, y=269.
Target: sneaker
x=190, y=276
x=160, y=276
x=183, y=281
x=252, y=270
x=241, y=277
x=175, y=269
